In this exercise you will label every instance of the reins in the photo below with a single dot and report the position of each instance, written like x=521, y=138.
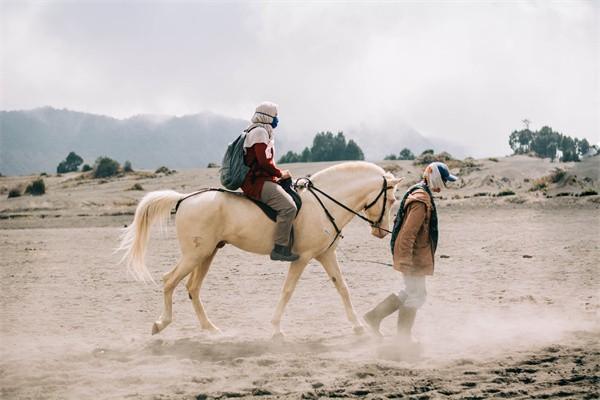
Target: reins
x=338, y=232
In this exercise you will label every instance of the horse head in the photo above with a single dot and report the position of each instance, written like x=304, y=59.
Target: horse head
x=378, y=208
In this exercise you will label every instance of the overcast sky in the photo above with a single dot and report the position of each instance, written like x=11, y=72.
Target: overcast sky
x=465, y=71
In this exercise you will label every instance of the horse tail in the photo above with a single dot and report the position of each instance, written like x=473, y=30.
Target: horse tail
x=154, y=207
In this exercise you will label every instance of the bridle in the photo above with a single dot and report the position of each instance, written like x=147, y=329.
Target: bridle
x=338, y=232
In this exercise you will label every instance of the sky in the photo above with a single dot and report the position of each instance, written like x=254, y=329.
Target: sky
x=468, y=72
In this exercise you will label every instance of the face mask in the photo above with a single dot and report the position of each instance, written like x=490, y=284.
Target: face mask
x=275, y=122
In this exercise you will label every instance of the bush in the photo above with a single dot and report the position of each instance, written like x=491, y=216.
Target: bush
x=390, y=157
x=428, y=151
x=539, y=184
x=213, y=165
x=137, y=186
x=14, y=192
x=506, y=193
x=43, y=174
x=164, y=170
x=127, y=166
x=36, y=188
x=86, y=168
x=494, y=159
x=589, y=192
x=105, y=167
x=406, y=154
x=557, y=175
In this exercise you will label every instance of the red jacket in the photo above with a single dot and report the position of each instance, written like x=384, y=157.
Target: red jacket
x=261, y=169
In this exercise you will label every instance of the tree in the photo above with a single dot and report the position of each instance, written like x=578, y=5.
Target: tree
x=289, y=157
x=105, y=167
x=127, y=166
x=306, y=155
x=406, y=154
x=339, y=147
x=353, y=151
x=428, y=151
x=70, y=164
x=390, y=157
x=583, y=147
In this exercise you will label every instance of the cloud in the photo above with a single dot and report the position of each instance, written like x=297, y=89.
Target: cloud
x=461, y=71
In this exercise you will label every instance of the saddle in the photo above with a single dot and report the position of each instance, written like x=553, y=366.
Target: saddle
x=268, y=211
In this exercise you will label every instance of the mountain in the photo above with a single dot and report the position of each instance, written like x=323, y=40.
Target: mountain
x=37, y=140
x=378, y=139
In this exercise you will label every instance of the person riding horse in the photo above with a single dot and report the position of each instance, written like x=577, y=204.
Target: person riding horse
x=262, y=181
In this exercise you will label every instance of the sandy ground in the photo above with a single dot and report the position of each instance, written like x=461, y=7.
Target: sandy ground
x=512, y=310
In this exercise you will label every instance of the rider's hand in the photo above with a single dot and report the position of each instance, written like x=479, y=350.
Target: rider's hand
x=285, y=174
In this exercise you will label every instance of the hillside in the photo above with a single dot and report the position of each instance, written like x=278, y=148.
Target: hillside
x=37, y=140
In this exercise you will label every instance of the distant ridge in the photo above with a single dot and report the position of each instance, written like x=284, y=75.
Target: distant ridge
x=37, y=140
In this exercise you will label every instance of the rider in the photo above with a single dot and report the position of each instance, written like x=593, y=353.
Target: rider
x=413, y=253
x=261, y=182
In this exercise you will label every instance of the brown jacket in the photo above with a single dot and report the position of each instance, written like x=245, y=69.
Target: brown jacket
x=413, y=250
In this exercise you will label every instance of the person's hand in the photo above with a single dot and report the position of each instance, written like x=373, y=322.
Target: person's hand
x=285, y=174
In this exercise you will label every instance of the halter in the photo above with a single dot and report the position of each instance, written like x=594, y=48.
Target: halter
x=338, y=232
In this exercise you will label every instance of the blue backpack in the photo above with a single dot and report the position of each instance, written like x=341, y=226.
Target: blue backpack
x=233, y=170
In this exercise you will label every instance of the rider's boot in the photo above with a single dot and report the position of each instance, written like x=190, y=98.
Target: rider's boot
x=374, y=317
x=283, y=253
x=406, y=320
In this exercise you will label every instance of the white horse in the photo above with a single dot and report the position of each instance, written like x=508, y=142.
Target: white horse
x=205, y=222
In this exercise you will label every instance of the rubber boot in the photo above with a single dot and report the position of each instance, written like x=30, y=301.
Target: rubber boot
x=374, y=317
x=283, y=253
x=406, y=320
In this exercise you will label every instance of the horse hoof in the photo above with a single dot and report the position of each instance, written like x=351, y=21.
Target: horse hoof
x=213, y=330
x=155, y=328
x=359, y=330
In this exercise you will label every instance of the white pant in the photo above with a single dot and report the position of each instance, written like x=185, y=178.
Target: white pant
x=414, y=293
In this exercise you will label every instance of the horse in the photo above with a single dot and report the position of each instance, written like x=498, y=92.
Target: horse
x=207, y=221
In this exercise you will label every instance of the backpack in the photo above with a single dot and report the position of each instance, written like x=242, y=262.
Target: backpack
x=433, y=223
x=234, y=170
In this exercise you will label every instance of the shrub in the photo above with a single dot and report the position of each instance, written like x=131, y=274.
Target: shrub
x=43, y=174
x=481, y=194
x=213, y=165
x=86, y=168
x=494, y=159
x=562, y=194
x=539, y=184
x=36, y=188
x=390, y=157
x=105, y=167
x=428, y=151
x=507, y=192
x=557, y=175
x=165, y=170
x=127, y=166
x=589, y=192
x=14, y=192
x=137, y=186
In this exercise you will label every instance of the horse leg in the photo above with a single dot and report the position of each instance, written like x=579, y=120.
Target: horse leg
x=171, y=280
x=193, y=286
x=330, y=263
x=294, y=272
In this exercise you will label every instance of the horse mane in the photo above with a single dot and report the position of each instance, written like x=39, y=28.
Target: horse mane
x=350, y=167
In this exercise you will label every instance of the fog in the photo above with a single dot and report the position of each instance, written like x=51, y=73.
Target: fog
x=463, y=72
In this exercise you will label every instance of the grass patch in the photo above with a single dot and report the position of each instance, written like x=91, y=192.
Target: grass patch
x=506, y=193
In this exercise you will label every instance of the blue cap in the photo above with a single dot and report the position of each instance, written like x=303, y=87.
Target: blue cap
x=445, y=173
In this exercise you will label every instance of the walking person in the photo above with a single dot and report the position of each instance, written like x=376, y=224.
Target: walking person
x=413, y=244
x=261, y=182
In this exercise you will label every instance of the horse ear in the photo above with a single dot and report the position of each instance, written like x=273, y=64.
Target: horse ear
x=395, y=181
